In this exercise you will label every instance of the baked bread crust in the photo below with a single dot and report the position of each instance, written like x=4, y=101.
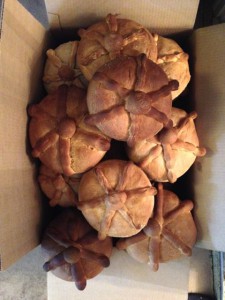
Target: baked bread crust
x=174, y=62
x=170, y=233
x=72, y=249
x=107, y=39
x=61, y=68
x=116, y=198
x=60, y=138
x=129, y=98
x=60, y=190
x=169, y=154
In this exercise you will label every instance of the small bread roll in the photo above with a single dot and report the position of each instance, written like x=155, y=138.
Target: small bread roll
x=170, y=234
x=116, y=198
x=60, y=68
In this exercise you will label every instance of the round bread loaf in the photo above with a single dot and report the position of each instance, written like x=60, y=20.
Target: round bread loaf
x=60, y=138
x=170, y=233
x=60, y=67
x=129, y=98
x=169, y=154
x=107, y=39
x=174, y=62
x=116, y=198
x=72, y=249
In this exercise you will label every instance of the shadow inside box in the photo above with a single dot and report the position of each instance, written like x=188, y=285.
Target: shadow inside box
x=194, y=296
x=116, y=151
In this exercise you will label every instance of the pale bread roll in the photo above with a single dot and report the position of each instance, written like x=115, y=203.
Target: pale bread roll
x=61, y=68
x=116, y=198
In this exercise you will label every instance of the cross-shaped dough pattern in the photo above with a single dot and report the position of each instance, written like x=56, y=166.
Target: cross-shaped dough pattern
x=115, y=199
x=53, y=126
x=75, y=254
x=112, y=38
x=134, y=102
x=157, y=229
x=168, y=142
x=61, y=190
x=61, y=68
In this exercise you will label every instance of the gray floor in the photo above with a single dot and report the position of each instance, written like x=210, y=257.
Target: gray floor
x=25, y=280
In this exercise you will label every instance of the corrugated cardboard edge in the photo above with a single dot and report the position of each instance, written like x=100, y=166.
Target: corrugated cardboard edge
x=80, y=13
x=208, y=48
x=22, y=44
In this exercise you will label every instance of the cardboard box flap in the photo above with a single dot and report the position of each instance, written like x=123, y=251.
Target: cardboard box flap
x=209, y=98
x=21, y=46
x=164, y=17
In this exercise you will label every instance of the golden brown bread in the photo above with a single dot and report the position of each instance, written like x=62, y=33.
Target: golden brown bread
x=172, y=151
x=61, y=190
x=58, y=135
x=170, y=233
x=60, y=67
x=116, y=198
x=129, y=98
x=107, y=39
x=72, y=249
x=174, y=62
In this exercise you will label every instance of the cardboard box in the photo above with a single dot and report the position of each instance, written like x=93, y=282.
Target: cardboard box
x=23, y=44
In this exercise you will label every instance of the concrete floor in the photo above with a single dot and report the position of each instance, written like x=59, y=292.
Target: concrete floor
x=25, y=280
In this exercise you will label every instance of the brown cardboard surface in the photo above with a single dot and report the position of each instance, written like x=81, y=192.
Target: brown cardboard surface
x=21, y=47
x=209, y=98
x=164, y=17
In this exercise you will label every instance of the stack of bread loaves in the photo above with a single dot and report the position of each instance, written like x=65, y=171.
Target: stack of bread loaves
x=118, y=82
